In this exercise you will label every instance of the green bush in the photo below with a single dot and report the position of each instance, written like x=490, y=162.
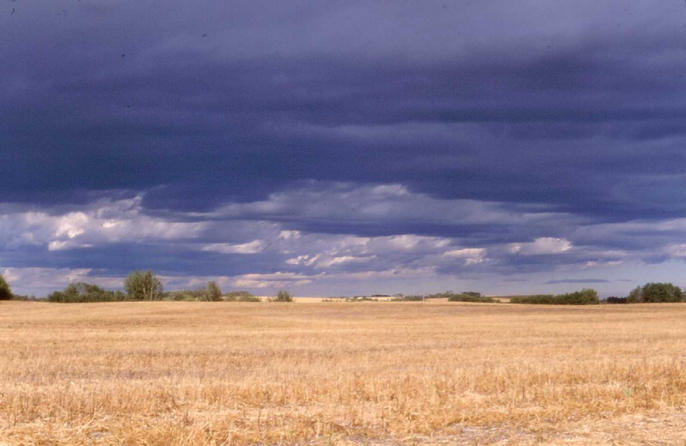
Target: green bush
x=184, y=295
x=241, y=296
x=469, y=296
x=546, y=299
x=408, y=299
x=465, y=296
x=143, y=286
x=442, y=295
x=282, y=296
x=249, y=299
x=213, y=293
x=615, y=300
x=85, y=292
x=5, y=291
x=586, y=296
x=210, y=293
x=656, y=292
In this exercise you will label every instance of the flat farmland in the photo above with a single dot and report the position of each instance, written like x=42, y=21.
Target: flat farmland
x=185, y=373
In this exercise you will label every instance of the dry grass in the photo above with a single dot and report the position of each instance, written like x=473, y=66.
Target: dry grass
x=187, y=373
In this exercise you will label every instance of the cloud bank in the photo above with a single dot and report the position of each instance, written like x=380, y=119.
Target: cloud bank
x=347, y=147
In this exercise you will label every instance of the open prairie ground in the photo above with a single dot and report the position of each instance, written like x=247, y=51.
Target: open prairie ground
x=341, y=373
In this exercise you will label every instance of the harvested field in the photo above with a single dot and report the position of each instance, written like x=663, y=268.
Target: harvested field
x=185, y=373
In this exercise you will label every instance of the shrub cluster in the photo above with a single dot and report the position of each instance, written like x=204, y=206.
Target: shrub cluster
x=143, y=286
x=468, y=296
x=413, y=298
x=186, y=295
x=5, y=291
x=586, y=296
x=85, y=292
x=241, y=296
x=656, y=292
x=465, y=296
x=139, y=285
x=210, y=293
x=213, y=293
x=282, y=296
x=615, y=300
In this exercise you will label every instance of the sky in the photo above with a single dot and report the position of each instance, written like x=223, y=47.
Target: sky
x=344, y=147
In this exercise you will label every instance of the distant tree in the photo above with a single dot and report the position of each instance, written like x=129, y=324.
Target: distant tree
x=5, y=291
x=283, y=296
x=241, y=296
x=85, y=292
x=213, y=293
x=586, y=296
x=143, y=286
x=615, y=300
x=469, y=296
x=472, y=293
x=636, y=295
x=656, y=292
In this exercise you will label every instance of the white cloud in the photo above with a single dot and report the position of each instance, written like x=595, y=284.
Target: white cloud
x=60, y=245
x=541, y=245
x=677, y=250
x=104, y=222
x=342, y=259
x=470, y=255
x=273, y=280
x=252, y=247
x=71, y=225
x=289, y=235
x=599, y=264
x=412, y=241
x=306, y=260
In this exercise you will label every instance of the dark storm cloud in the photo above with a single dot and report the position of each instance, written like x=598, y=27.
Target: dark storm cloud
x=171, y=109
x=578, y=109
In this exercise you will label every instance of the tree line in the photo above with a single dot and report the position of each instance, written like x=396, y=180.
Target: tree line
x=650, y=292
x=653, y=292
x=145, y=286
x=142, y=286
